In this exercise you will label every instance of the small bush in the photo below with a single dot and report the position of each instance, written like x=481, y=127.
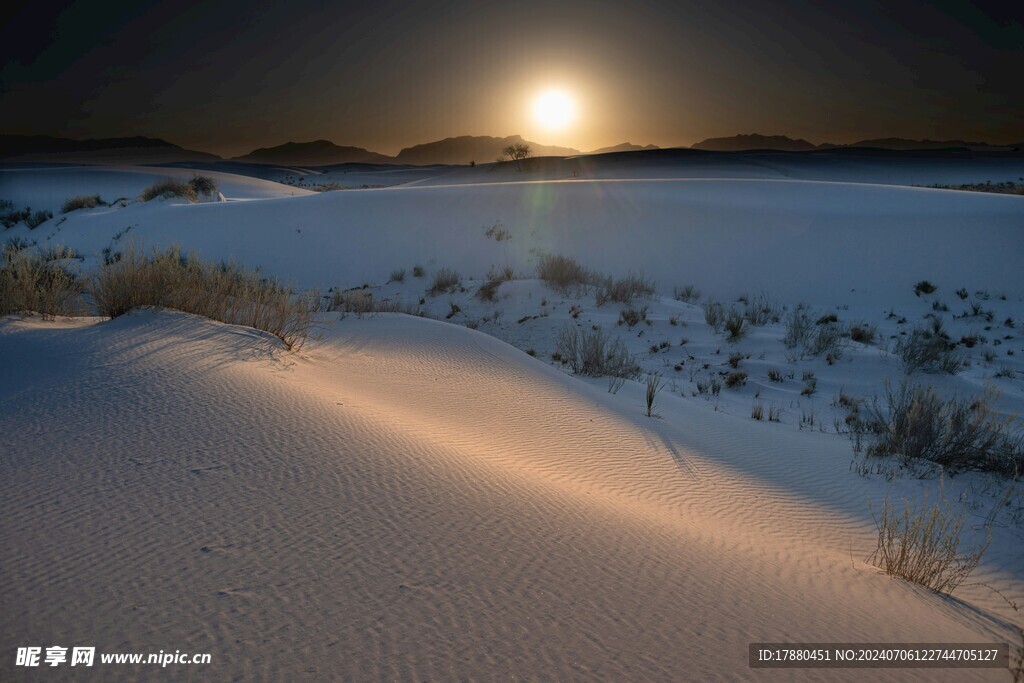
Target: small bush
x=624, y=290
x=203, y=186
x=922, y=544
x=445, y=280
x=761, y=311
x=9, y=216
x=37, y=219
x=688, y=293
x=562, y=272
x=417, y=271
x=924, y=287
x=916, y=423
x=714, y=315
x=962, y=293
x=863, y=333
x=632, y=317
x=929, y=350
x=812, y=337
x=397, y=275
x=654, y=385
x=30, y=282
x=735, y=324
x=757, y=411
x=594, y=354
x=168, y=188
x=218, y=291
x=82, y=202
x=774, y=375
x=736, y=378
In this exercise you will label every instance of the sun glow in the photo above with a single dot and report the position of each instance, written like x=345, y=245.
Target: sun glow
x=554, y=109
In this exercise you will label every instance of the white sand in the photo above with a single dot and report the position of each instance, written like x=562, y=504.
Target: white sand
x=409, y=499
x=412, y=500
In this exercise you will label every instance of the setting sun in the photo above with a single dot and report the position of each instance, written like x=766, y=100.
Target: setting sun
x=554, y=109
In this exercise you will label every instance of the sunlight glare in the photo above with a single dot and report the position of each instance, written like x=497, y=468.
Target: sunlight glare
x=554, y=109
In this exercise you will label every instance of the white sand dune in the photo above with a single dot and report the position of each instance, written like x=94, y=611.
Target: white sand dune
x=411, y=500
x=47, y=186
x=798, y=240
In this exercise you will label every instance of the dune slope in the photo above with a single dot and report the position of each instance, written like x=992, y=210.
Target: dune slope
x=408, y=500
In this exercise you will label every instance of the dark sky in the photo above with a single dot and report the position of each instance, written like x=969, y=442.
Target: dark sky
x=228, y=77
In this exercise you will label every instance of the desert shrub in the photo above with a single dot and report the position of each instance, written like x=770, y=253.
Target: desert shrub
x=916, y=423
x=623, y=290
x=929, y=350
x=922, y=544
x=654, y=385
x=220, y=291
x=799, y=327
x=489, y=290
x=203, y=186
x=362, y=302
x=924, y=287
x=757, y=411
x=688, y=293
x=735, y=324
x=445, y=280
x=9, y=216
x=38, y=218
x=863, y=332
x=826, y=319
x=736, y=378
x=593, y=353
x=562, y=272
x=356, y=301
x=714, y=315
x=812, y=337
x=397, y=275
x=962, y=293
x=168, y=188
x=761, y=311
x=774, y=375
x=632, y=317
x=31, y=282
x=417, y=271
x=82, y=202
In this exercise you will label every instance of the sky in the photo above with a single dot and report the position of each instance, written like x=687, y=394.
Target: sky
x=230, y=77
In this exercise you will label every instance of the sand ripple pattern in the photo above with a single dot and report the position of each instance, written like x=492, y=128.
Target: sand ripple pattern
x=409, y=501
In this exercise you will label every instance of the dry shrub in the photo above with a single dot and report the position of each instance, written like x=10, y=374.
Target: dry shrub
x=82, y=202
x=562, y=272
x=445, y=280
x=812, y=337
x=169, y=187
x=594, y=354
x=921, y=544
x=714, y=315
x=203, y=186
x=735, y=324
x=31, y=281
x=219, y=291
x=929, y=350
x=361, y=302
x=623, y=290
x=958, y=434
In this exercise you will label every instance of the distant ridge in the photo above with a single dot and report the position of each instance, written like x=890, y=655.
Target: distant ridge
x=29, y=147
x=904, y=144
x=465, y=149
x=741, y=143
x=624, y=147
x=315, y=153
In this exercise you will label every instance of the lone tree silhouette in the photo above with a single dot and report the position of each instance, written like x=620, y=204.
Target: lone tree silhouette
x=516, y=153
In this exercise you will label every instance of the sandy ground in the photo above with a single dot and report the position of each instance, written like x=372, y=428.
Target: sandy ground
x=407, y=500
